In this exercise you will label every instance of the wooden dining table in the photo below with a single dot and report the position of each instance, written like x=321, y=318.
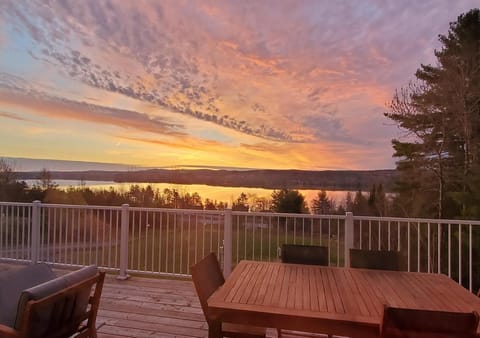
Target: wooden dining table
x=332, y=300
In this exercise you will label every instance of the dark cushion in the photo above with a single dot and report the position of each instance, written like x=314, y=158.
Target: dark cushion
x=304, y=254
x=79, y=301
x=13, y=282
x=375, y=259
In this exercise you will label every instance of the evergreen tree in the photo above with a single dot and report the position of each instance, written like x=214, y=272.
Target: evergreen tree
x=288, y=201
x=439, y=156
x=322, y=204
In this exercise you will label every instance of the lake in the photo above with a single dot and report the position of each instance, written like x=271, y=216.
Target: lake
x=218, y=193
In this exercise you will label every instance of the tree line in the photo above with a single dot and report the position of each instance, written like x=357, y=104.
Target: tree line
x=284, y=200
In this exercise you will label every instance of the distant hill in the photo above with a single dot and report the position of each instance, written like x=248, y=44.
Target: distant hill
x=269, y=179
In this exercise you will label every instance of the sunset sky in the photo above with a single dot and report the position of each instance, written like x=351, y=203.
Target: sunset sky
x=253, y=84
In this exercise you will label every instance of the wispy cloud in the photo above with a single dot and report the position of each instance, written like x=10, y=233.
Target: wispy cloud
x=12, y=116
x=60, y=108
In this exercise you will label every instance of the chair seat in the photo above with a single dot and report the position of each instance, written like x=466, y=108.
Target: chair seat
x=232, y=330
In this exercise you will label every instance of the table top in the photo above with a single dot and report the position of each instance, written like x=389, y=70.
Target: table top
x=330, y=299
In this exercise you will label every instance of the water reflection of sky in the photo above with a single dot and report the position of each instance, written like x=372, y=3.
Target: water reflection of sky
x=218, y=193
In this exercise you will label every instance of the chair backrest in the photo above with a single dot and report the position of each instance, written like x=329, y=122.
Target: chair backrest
x=304, y=254
x=53, y=310
x=13, y=282
x=414, y=323
x=207, y=278
x=375, y=259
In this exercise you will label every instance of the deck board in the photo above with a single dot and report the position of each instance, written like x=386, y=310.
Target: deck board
x=150, y=307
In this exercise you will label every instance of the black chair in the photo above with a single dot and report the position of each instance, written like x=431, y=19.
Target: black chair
x=304, y=254
x=207, y=278
x=375, y=259
x=413, y=323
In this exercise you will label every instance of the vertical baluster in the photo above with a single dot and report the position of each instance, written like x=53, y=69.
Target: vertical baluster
x=139, y=239
x=65, y=239
x=86, y=214
x=110, y=241
x=55, y=221
x=196, y=237
x=398, y=236
x=160, y=240
x=245, y=237
x=429, y=252
x=418, y=246
x=253, y=238
x=388, y=235
x=379, y=245
x=269, y=239
x=72, y=236
x=181, y=241
x=449, y=250
x=103, y=242
x=369, y=235
x=261, y=237
x=79, y=219
x=147, y=228
x=188, y=241
x=167, y=226
x=470, y=245
x=294, y=230
x=459, y=253
x=439, y=244
x=408, y=246
x=17, y=222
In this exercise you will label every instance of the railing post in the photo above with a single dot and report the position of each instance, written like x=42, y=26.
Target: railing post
x=36, y=205
x=348, y=237
x=227, y=243
x=124, y=243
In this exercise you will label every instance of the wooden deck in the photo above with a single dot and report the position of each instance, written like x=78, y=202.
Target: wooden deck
x=150, y=307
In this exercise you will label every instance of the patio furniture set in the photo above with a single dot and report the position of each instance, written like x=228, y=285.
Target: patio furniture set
x=301, y=296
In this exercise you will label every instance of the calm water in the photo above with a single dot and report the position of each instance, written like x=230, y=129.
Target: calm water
x=218, y=193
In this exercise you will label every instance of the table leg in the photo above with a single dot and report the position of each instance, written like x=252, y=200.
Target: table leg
x=215, y=329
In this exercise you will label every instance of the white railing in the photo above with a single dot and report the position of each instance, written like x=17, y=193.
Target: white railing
x=451, y=247
x=168, y=241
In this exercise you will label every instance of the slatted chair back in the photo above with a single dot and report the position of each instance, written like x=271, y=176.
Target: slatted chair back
x=207, y=278
x=62, y=313
x=304, y=254
x=375, y=259
x=413, y=323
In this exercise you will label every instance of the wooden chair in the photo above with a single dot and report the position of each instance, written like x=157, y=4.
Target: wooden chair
x=207, y=278
x=304, y=254
x=375, y=259
x=69, y=310
x=412, y=323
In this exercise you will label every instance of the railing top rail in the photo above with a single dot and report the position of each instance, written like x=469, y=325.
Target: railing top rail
x=16, y=204
x=280, y=214
x=254, y=214
x=178, y=211
x=417, y=220
x=72, y=206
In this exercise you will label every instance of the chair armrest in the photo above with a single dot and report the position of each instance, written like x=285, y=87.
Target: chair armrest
x=7, y=332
